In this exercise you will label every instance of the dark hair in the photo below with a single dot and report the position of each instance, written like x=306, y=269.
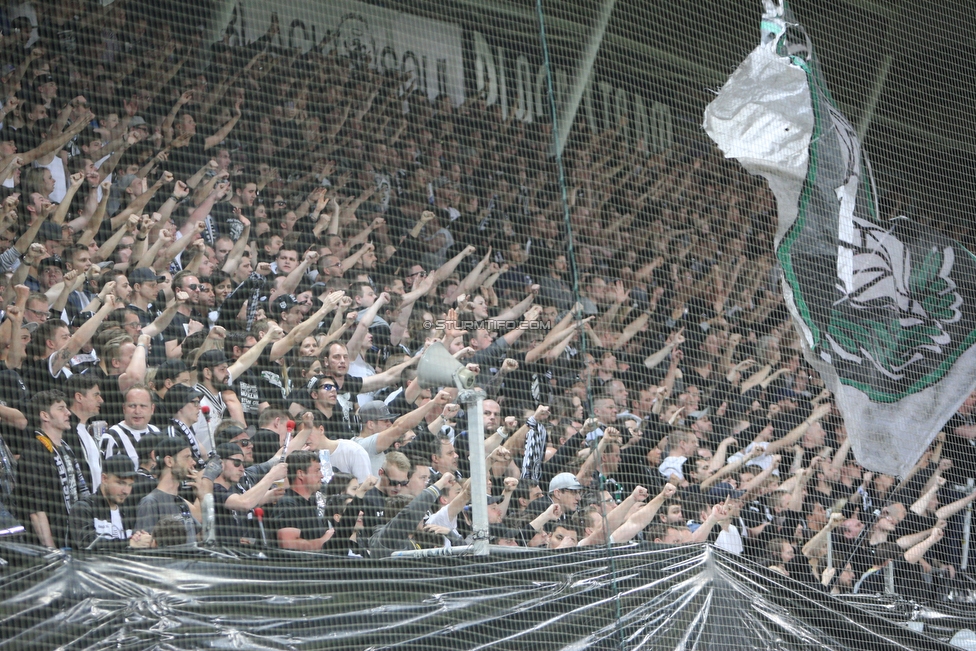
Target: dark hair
x=656, y=530
x=43, y=401
x=236, y=338
x=79, y=383
x=299, y=460
x=393, y=505
x=44, y=332
x=170, y=530
x=268, y=415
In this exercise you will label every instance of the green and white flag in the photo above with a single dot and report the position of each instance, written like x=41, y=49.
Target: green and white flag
x=886, y=311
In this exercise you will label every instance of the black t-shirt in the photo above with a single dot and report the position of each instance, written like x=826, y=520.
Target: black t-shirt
x=295, y=512
x=13, y=393
x=336, y=426
x=272, y=386
x=231, y=525
x=37, y=376
x=39, y=488
x=266, y=444
x=961, y=450
x=528, y=383
x=373, y=506
x=247, y=387
x=177, y=330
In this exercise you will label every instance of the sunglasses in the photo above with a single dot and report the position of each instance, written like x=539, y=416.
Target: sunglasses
x=237, y=462
x=398, y=483
x=328, y=387
x=192, y=288
x=244, y=443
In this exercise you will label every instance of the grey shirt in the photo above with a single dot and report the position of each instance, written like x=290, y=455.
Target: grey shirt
x=158, y=504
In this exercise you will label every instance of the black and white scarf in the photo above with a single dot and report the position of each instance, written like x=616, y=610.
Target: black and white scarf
x=535, y=450
x=73, y=484
x=176, y=428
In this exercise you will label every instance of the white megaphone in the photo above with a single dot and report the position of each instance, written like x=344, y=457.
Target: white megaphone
x=438, y=368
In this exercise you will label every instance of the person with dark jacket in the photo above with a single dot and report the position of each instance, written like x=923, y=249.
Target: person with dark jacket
x=397, y=533
x=104, y=521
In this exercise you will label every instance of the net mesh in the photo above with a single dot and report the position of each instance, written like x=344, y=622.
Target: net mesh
x=275, y=272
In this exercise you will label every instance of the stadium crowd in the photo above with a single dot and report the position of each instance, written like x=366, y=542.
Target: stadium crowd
x=221, y=264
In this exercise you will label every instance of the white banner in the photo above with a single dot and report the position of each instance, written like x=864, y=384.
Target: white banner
x=429, y=51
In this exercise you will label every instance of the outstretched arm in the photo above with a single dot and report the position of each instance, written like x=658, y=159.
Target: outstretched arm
x=643, y=516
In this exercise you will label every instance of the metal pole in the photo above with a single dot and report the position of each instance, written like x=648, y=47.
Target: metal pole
x=830, y=549
x=967, y=523
x=472, y=400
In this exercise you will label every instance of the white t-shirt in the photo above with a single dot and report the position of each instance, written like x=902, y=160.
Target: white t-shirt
x=352, y=458
x=359, y=368
x=441, y=519
x=60, y=176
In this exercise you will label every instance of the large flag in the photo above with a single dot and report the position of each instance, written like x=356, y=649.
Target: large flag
x=886, y=311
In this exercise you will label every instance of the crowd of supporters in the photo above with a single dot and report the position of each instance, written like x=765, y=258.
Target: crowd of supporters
x=220, y=265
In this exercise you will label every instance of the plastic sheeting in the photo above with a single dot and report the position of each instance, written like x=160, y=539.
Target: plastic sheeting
x=627, y=598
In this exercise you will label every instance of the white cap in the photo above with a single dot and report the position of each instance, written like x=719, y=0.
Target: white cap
x=564, y=481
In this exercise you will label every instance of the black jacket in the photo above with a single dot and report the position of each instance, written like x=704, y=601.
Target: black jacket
x=91, y=516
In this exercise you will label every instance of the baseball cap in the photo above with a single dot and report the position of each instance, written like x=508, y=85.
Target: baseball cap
x=119, y=465
x=179, y=395
x=142, y=275
x=496, y=531
x=212, y=358
x=51, y=261
x=564, y=481
x=227, y=450
x=170, y=370
x=170, y=446
x=227, y=433
x=145, y=446
x=375, y=410
x=137, y=121
x=40, y=80
x=282, y=304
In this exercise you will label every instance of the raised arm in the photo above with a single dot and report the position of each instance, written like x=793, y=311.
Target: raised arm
x=248, y=359
x=355, y=343
x=387, y=377
x=82, y=335
x=643, y=516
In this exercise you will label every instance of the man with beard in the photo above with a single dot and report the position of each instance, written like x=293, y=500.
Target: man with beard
x=104, y=520
x=216, y=377
x=174, y=463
